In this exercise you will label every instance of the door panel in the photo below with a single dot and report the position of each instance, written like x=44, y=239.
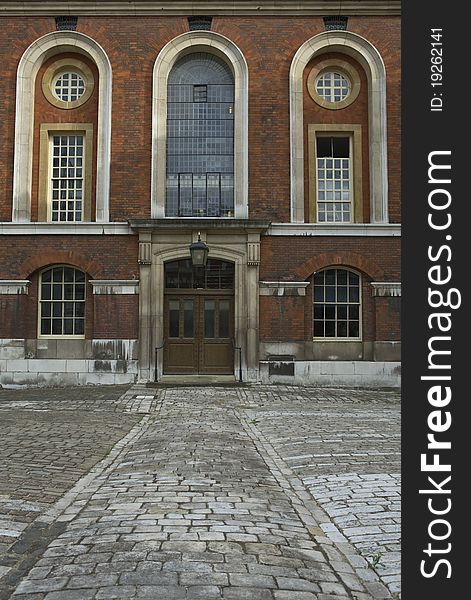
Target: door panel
x=217, y=352
x=180, y=350
x=198, y=334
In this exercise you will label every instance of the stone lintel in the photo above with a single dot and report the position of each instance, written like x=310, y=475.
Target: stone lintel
x=115, y=286
x=283, y=288
x=383, y=288
x=14, y=286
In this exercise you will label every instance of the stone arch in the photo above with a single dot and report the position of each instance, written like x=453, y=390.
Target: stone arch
x=367, y=55
x=187, y=43
x=351, y=260
x=28, y=67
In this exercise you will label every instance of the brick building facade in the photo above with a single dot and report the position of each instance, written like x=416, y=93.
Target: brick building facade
x=271, y=132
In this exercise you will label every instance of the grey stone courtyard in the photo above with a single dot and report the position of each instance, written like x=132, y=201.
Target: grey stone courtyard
x=245, y=492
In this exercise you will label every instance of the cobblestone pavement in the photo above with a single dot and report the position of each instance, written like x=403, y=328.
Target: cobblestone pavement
x=257, y=492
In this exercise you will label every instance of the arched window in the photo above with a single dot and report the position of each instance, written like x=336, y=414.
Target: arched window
x=337, y=304
x=200, y=138
x=62, y=302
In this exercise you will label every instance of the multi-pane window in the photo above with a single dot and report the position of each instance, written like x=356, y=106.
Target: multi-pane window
x=337, y=303
x=218, y=275
x=334, y=180
x=69, y=86
x=62, y=302
x=200, y=138
x=67, y=178
x=333, y=87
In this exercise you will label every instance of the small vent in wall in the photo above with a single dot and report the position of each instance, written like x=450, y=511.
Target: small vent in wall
x=335, y=23
x=67, y=23
x=199, y=22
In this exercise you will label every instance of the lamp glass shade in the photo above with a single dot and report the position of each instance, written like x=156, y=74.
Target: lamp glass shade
x=199, y=254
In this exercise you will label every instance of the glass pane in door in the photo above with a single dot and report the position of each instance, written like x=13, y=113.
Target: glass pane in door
x=224, y=318
x=188, y=319
x=209, y=320
x=174, y=318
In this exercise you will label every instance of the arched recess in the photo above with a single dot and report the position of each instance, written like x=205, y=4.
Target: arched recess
x=40, y=50
x=187, y=43
x=370, y=59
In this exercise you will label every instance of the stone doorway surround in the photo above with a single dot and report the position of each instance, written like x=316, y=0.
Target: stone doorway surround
x=233, y=240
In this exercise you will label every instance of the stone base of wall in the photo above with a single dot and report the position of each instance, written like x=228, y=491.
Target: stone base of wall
x=332, y=373
x=64, y=372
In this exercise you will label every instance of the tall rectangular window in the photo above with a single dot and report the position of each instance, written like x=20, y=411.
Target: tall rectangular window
x=67, y=178
x=65, y=167
x=335, y=194
x=334, y=180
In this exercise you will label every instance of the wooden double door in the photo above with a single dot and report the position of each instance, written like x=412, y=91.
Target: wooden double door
x=199, y=331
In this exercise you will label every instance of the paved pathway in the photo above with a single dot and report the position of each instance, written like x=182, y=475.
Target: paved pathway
x=252, y=493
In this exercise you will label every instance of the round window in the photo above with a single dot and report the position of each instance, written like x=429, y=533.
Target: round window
x=68, y=83
x=333, y=87
x=68, y=86
x=333, y=83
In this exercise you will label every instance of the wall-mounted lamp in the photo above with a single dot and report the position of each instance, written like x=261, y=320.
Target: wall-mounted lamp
x=199, y=253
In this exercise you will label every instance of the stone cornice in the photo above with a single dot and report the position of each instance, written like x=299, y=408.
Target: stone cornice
x=199, y=224
x=37, y=228
x=331, y=229
x=204, y=7
x=283, y=288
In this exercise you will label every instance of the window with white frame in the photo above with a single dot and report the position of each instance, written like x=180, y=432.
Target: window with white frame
x=334, y=180
x=62, y=302
x=67, y=177
x=337, y=304
x=65, y=173
x=69, y=86
x=332, y=86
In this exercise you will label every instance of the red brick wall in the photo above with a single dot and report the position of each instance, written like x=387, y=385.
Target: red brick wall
x=289, y=258
x=13, y=313
x=282, y=318
x=116, y=316
x=102, y=257
x=388, y=318
x=132, y=44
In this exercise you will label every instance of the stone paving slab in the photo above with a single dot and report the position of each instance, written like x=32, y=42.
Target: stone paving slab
x=345, y=447
x=49, y=440
x=199, y=498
